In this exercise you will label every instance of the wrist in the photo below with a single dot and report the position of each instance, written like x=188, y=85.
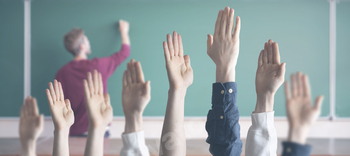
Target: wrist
x=28, y=148
x=297, y=134
x=61, y=132
x=133, y=122
x=264, y=103
x=225, y=74
x=178, y=91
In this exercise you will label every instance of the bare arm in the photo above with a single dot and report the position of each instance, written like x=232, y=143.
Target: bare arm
x=100, y=113
x=63, y=118
x=180, y=74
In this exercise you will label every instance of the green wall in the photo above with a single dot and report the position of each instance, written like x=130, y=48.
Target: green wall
x=300, y=27
x=343, y=63
x=11, y=56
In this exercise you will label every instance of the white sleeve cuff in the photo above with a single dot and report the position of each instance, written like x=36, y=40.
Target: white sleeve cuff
x=134, y=144
x=263, y=120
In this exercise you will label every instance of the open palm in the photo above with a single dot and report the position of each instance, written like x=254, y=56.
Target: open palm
x=61, y=111
x=31, y=123
x=98, y=106
x=136, y=92
x=179, y=69
x=270, y=73
x=299, y=104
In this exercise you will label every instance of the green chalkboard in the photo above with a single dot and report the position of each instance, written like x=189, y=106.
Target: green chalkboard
x=11, y=56
x=300, y=27
x=343, y=63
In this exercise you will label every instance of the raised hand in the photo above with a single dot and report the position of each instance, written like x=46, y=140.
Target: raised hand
x=61, y=111
x=301, y=114
x=30, y=126
x=98, y=106
x=223, y=48
x=178, y=67
x=123, y=26
x=269, y=76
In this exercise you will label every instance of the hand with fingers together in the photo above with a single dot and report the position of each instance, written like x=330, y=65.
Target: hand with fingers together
x=223, y=48
x=269, y=77
x=61, y=111
x=30, y=126
x=178, y=67
x=301, y=114
x=98, y=105
x=62, y=116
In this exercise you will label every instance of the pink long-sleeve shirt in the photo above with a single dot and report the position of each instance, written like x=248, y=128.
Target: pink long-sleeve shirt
x=72, y=75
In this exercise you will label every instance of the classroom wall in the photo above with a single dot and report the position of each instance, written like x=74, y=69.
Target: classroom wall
x=301, y=29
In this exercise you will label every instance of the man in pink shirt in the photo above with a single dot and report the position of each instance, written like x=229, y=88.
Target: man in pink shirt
x=73, y=73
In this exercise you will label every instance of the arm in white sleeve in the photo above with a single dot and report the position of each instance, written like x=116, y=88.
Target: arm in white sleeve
x=262, y=137
x=134, y=144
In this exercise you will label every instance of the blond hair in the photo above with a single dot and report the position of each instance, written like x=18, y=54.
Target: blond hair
x=73, y=39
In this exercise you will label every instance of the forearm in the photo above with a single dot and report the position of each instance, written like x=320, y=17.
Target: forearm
x=28, y=148
x=94, y=143
x=133, y=123
x=173, y=141
x=225, y=74
x=264, y=103
x=60, y=144
x=125, y=38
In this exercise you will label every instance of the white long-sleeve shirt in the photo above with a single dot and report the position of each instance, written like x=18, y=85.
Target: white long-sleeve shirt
x=262, y=137
x=134, y=144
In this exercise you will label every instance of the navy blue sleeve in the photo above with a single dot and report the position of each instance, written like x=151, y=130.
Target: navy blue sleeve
x=222, y=121
x=295, y=149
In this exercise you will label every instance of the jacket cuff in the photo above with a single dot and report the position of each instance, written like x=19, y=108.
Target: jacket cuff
x=263, y=120
x=295, y=149
x=224, y=93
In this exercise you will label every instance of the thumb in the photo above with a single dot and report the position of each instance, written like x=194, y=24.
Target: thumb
x=40, y=120
x=147, y=88
x=318, y=103
x=209, y=42
x=107, y=99
x=187, y=61
x=282, y=70
x=68, y=104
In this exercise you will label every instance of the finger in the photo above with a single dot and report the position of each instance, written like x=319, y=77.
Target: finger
x=100, y=83
x=276, y=53
x=68, y=105
x=22, y=114
x=294, y=85
x=125, y=82
x=166, y=51
x=269, y=52
x=181, y=48
x=57, y=90
x=147, y=88
x=30, y=107
x=237, y=29
x=318, y=103
x=107, y=99
x=52, y=92
x=286, y=90
x=133, y=71
x=187, y=61
x=224, y=21
x=35, y=107
x=170, y=46
x=300, y=84
x=260, y=59
x=265, y=53
x=25, y=109
x=61, y=90
x=175, y=43
x=282, y=70
x=128, y=77
x=86, y=89
x=306, y=86
x=95, y=81
x=139, y=73
x=49, y=99
x=229, y=26
x=218, y=23
x=209, y=43
x=90, y=84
